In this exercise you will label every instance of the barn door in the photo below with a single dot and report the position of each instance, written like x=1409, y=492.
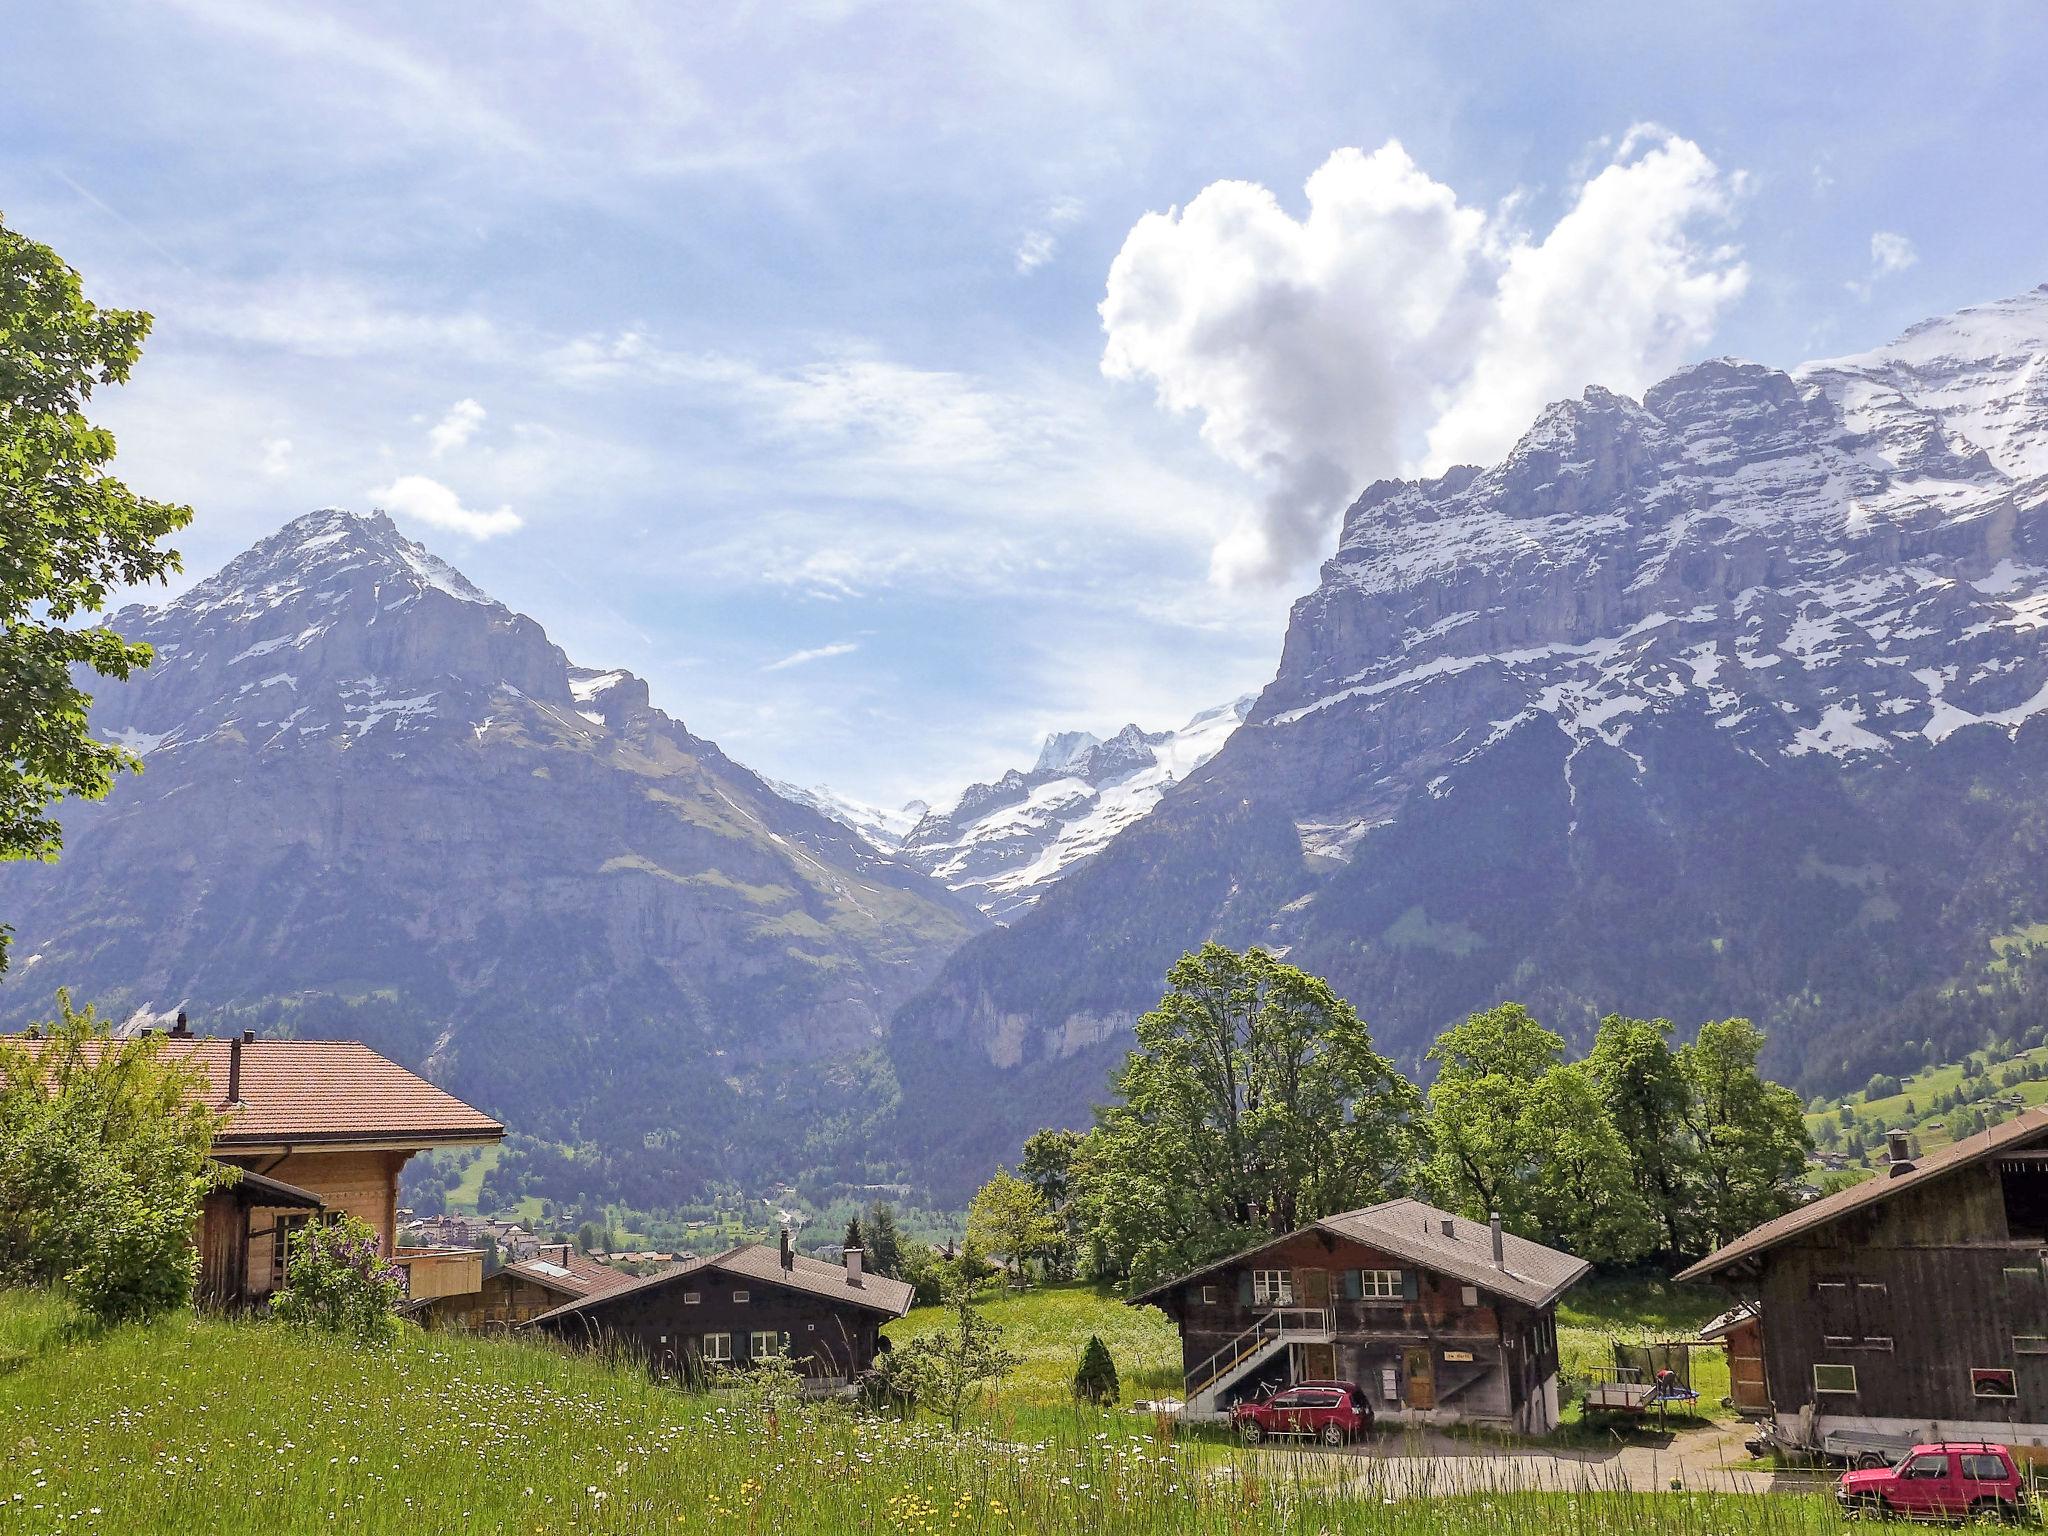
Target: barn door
x=1421, y=1373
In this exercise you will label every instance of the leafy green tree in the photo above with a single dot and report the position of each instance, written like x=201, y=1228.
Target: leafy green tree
x=70, y=534
x=338, y=1280
x=1645, y=1092
x=1253, y=1103
x=1095, y=1378
x=1585, y=1196
x=1048, y=1165
x=103, y=1165
x=1750, y=1135
x=947, y=1371
x=885, y=1241
x=1009, y=1217
x=1485, y=1140
x=590, y=1238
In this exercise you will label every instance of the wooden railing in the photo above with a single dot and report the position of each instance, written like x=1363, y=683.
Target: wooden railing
x=1274, y=1326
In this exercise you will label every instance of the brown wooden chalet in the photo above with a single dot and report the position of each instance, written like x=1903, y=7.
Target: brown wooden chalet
x=746, y=1304
x=315, y=1126
x=521, y=1291
x=1440, y=1319
x=1915, y=1303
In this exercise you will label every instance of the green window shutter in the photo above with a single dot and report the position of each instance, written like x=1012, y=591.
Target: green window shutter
x=1244, y=1289
x=1354, y=1285
x=1409, y=1286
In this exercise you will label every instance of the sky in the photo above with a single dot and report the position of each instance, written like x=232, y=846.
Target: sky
x=891, y=384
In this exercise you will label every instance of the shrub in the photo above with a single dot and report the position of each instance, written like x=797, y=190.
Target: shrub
x=338, y=1281
x=1095, y=1378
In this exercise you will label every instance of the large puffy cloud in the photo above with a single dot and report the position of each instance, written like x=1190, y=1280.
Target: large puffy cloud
x=1396, y=330
x=437, y=506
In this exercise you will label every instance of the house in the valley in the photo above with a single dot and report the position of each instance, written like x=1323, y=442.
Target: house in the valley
x=1914, y=1303
x=746, y=1304
x=1439, y=1318
x=316, y=1127
x=521, y=1291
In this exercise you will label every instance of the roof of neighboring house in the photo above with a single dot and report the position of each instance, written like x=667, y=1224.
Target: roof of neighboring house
x=581, y=1276
x=306, y=1092
x=1730, y=1320
x=1414, y=1230
x=761, y=1263
x=253, y=1188
x=1966, y=1153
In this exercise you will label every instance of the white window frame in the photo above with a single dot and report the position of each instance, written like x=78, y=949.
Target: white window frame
x=1469, y=1296
x=740, y=1298
x=1380, y=1284
x=755, y=1349
x=693, y=1298
x=1831, y=1365
x=1273, y=1287
x=2012, y=1379
x=1208, y=1295
x=717, y=1348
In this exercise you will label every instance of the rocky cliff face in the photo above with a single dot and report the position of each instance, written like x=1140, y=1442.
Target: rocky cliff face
x=377, y=802
x=1727, y=700
x=1002, y=845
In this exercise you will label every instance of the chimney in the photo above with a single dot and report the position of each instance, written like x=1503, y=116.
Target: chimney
x=788, y=1257
x=1450, y=1227
x=235, y=1066
x=1898, y=1147
x=180, y=1030
x=1500, y=1250
x=853, y=1261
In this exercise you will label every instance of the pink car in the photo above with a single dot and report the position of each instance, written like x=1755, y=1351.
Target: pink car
x=1953, y=1480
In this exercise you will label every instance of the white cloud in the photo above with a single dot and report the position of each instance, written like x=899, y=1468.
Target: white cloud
x=277, y=457
x=1395, y=330
x=1891, y=253
x=456, y=428
x=439, y=507
x=816, y=653
x=1042, y=241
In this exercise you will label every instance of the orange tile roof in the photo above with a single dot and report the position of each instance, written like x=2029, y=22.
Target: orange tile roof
x=581, y=1276
x=308, y=1092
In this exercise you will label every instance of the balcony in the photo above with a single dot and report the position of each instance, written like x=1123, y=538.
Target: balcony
x=432, y=1272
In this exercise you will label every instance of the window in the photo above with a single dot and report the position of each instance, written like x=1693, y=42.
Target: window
x=1380, y=1284
x=1834, y=1378
x=1932, y=1464
x=717, y=1346
x=764, y=1344
x=1469, y=1295
x=1208, y=1295
x=739, y=1296
x=1994, y=1382
x=283, y=1230
x=1273, y=1287
x=693, y=1298
x=1984, y=1468
x=2024, y=1184
x=2030, y=1344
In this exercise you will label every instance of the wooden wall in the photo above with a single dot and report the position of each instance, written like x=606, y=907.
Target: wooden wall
x=363, y=1184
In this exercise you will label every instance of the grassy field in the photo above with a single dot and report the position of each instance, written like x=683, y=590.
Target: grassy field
x=1641, y=1310
x=1048, y=1324
x=233, y=1428
x=1921, y=1088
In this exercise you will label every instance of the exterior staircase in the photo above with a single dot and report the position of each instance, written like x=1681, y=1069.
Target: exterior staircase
x=1277, y=1330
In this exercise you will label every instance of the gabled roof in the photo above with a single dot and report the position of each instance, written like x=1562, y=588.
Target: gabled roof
x=1414, y=1230
x=1966, y=1153
x=581, y=1276
x=309, y=1092
x=761, y=1264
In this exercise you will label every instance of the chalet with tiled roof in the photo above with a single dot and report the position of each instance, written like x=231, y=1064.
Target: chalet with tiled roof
x=746, y=1304
x=1438, y=1318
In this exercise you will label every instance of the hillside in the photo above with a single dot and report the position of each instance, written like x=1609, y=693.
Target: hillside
x=377, y=803
x=1728, y=700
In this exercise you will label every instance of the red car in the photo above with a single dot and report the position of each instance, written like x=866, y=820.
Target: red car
x=1330, y=1411
x=1951, y=1480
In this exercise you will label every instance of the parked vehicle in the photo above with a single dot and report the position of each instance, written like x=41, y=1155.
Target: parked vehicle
x=1949, y=1481
x=1333, y=1412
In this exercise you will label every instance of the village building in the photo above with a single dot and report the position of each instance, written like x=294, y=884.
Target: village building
x=553, y=1275
x=749, y=1303
x=1740, y=1333
x=1913, y=1304
x=1438, y=1318
x=316, y=1127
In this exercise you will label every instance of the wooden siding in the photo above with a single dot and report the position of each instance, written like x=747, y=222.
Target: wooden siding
x=363, y=1184
x=504, y=1300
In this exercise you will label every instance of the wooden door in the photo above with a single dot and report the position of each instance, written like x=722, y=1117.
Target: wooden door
x=1313, y=1286
x=1318, y=1362
x=1421, y=1373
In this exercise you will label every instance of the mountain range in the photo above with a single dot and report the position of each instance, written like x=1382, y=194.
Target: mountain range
x=1731, y=699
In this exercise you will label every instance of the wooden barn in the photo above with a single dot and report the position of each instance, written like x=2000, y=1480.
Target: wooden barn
x=1440, y=1319
x=746, y=1304
x=1915, y=1303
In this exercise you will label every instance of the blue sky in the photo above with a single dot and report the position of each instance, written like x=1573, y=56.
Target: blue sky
x=890, y=384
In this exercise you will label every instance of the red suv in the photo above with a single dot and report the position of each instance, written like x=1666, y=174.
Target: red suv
x=1946, y=1481
x=1330, y=1411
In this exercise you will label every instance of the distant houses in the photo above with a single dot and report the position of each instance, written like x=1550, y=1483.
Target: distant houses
x=550, y=1276
x=750, y=1303
x=1441, y=1319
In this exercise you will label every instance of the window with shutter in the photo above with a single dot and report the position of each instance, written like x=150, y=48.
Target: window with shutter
x=1410, y=1286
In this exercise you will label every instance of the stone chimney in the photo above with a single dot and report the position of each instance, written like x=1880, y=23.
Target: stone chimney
x=853, y=1262
x=235, y=1065
x=180, y=1030
x=788, y=1254
x=1898, y=1146
x=1500, y=1248
x=1450, y=1227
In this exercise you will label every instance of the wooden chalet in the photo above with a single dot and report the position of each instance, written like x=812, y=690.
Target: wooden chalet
x=553, y=1276
x=746, y=1304
x=1438, y=1318
x=1740, y=1333
x=1915, y=1303
x=315, y=1127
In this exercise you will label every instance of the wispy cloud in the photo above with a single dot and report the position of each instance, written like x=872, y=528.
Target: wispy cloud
x=456, y=428
x=436, y=505
x=277, y=457
x=1042, y=241
x=816, y=653
x=1890, y=254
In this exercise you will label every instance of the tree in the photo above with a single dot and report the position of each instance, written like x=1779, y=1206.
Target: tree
x=1484, y=1139
x=70, y=534
x=1253, y=1103
x=590, y=1238
x=103, y=1165
x=885, y=1241
x=1095, y=1378
x=338, y=1280
x=1586, y=1198
x=1645, y=1092
x=946, y=1371
x=1751, y=1137
x=854, y=1237
x=1009, y=1218
x=1048, y=1166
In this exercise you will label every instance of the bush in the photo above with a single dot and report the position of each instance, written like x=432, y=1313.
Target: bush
x=1095, y=1378
x=338, y=1281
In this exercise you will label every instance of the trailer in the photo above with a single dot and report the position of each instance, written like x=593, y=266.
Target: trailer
x=1621, y=1389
